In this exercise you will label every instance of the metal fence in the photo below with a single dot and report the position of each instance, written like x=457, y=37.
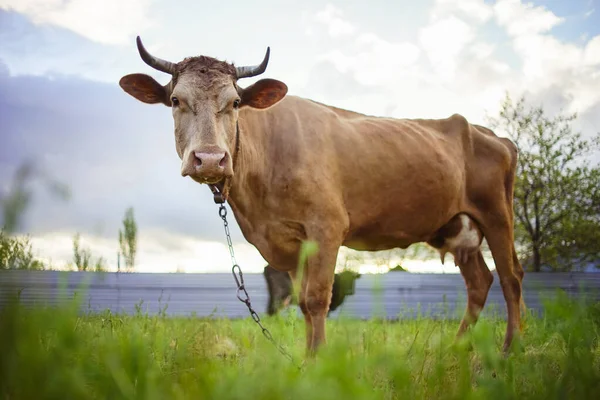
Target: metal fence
x=391, y=295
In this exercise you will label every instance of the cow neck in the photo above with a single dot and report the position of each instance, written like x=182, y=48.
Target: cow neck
x=221, y=189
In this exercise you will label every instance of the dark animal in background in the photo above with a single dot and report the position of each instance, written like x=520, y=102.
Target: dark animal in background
x=280, y=289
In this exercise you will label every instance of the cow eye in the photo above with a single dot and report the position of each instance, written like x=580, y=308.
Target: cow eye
x=236, y=103
x=175, y=101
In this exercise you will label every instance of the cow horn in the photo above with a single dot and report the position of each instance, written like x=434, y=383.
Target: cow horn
x=247, y=72
x=154, y=62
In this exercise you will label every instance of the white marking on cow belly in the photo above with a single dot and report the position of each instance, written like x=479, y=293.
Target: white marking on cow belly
x=467, y=237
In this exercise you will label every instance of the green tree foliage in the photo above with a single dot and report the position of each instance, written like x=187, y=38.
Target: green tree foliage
x=81, y=257
x=128, y=239
x=557, y=189
x=16, y=253
x=100, y=265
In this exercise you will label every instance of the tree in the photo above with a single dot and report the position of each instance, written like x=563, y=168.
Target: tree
x=128, y=239
x=100, y=265
x=557, y=191
x=81, y=257
x=16, y=253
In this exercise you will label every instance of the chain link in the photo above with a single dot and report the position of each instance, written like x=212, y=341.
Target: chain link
x=223, y=215
x=242, y=294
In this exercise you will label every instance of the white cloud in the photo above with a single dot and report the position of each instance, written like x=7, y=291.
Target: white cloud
x=591, y=54
x=481, y=50
x=459, y=73
x=522, y=19
x=394, y=54
x=443, y=41
x=475, y=10
x=547, y=62
x=545, y=57
x=375, y=59
x=332, y=18
x=107, y=21
x=462, y=71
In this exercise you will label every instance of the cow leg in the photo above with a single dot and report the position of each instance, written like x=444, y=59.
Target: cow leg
x=520, y=274
x=317, y=294
x=498, y=230
x=478, y=280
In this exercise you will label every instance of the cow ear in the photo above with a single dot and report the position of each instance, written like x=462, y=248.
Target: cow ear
x=144, y=88
x=264, y=93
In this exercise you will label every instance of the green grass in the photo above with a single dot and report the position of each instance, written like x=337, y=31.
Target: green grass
x=59, y=353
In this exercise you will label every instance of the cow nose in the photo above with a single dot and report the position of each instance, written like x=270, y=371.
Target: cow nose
x=209, y=166
x=210, y=161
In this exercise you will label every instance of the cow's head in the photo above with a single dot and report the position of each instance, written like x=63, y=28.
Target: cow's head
x=205, y=101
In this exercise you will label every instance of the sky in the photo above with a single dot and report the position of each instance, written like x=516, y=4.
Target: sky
x=61, y=107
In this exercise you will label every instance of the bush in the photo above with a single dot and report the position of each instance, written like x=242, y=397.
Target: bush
x=16, y=253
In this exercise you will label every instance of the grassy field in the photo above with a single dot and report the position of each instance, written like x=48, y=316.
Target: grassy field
x=58, y=353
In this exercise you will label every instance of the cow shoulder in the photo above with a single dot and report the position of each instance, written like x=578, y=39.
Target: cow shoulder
x=458, y=122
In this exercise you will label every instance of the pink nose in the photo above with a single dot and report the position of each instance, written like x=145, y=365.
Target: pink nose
x=210, y=164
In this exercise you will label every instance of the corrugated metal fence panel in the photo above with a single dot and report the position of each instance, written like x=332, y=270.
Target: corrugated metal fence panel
x=389, y=295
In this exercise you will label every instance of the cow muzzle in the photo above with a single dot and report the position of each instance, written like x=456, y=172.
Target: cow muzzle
x=208, y=166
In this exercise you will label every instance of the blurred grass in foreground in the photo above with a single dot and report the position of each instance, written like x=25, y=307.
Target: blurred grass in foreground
x=61, y=353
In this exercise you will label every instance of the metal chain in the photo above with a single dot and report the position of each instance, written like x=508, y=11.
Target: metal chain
x=242, y=294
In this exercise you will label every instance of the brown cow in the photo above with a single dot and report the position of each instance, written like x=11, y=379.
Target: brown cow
x=294, y=170
x=279, y=286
